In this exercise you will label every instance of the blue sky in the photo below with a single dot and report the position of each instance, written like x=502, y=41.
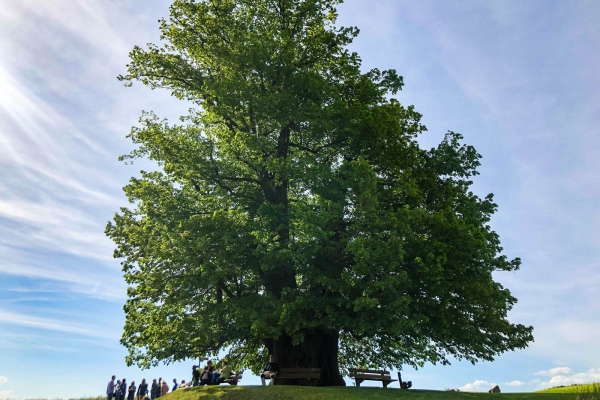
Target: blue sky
x=518, y=79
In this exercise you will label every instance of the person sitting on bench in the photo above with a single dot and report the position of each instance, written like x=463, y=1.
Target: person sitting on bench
x=224, y=373
x=206, y=374
x=270, y=371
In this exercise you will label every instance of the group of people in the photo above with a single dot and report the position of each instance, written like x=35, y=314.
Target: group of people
x=209, y=375
x=119, y=389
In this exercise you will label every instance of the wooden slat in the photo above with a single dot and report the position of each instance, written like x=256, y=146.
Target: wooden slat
x=376, y=378
x=373, y=371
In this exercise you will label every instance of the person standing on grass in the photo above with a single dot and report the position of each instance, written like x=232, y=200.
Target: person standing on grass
x=131, y=391
x=195, y=375
x=174, y=385
x=153, y=389
x=123, y=389
x=142, y=390
x=164, y=388
x=158, y=389
x=110, y=388
x=270, y=371
x=117, y=390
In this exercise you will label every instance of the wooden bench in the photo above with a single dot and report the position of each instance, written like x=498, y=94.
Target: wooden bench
x=234, y=378
x=360, y=375
x=299, y=373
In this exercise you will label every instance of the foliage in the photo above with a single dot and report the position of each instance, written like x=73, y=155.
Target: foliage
x=294, y=199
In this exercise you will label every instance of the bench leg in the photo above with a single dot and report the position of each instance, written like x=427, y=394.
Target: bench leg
x=385, y=384
x=358, y=382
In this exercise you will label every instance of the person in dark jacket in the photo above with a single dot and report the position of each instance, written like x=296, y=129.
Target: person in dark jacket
x=206, y=376
x=123, y=389
x=131, y=391
x=195, y=376
x=142, y=390
x=154, y=390
x=270, y=371
x=158, y=391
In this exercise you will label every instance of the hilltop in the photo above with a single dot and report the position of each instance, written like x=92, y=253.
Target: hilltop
x=346, y=393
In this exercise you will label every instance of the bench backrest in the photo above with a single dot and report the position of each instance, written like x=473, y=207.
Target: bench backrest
x=369, y=373
x=299, y=373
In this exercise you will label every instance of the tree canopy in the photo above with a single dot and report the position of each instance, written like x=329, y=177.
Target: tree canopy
x=294, y=211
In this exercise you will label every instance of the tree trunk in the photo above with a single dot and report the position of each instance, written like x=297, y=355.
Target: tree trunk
x=316, y=351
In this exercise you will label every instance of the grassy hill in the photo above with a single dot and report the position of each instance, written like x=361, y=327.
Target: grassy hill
x=345, y=393
x=590, y=388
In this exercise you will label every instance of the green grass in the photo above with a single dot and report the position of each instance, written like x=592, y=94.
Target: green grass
x=226, y=392
x=590, y=391
x=585, y=388
x=343, y=393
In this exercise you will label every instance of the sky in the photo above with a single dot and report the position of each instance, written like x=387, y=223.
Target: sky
x=518, y=79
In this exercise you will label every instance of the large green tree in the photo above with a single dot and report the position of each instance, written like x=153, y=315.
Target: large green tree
x=294, y=212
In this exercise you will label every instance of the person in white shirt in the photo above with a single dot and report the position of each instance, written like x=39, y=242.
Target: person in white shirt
x=110, y=389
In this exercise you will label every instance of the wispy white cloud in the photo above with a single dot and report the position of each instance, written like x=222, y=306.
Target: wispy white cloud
x=53, y=325
x=3, y=380
x=477, y=386
x=96, y=286
x=515, y=383
x=19, y=340
x=93, y=22
x=55, y=226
